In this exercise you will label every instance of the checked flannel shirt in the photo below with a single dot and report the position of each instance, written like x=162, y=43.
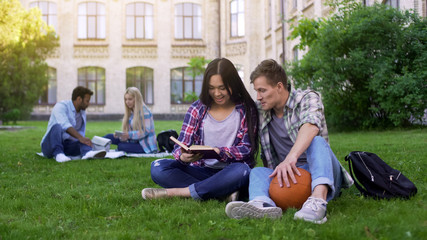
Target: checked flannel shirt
x=192, y=134
x=302, y=106
x=147, y=138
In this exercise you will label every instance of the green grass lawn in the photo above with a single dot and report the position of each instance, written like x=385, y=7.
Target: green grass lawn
x=100, y=199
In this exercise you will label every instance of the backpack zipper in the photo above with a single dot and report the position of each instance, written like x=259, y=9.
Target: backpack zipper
x=372, y=176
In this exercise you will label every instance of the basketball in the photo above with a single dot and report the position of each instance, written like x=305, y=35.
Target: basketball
x=295, y=195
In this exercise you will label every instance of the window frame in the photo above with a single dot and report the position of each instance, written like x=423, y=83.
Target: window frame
x=45, y=99
x=141, y=82
x=101, y=80
x=194, y=20
x=96, y=21
x=51, y=16
x=186, y=77
x=136, y=16
x=237, y=27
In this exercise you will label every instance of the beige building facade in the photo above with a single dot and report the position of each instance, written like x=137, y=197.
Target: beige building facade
x=109, y=45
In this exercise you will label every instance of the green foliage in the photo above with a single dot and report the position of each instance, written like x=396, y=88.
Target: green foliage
x=25, y=42
x=11, y=116
x=101, y=199
x=197, y=65
x=190, y=97
x=369, y=63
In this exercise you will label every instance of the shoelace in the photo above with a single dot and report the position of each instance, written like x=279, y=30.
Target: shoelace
x=313, y=203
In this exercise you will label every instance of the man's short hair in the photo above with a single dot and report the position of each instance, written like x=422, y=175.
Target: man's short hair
x=80, y=92
x=272, y=71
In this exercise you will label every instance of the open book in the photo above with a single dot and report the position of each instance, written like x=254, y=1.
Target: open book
x=206, y=151
x=101, y=143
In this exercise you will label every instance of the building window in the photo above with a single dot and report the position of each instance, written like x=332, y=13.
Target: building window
x=392, y=3
x=48, y=10
x=188, y=21
x=91, y=20
x=294, y=4
x=49, y=90
x=139, y=21
x=295, y=54
x=141, y=78
x=240, y=70
x=184, y=84
x=94, y=79
x=237, y=18
x=269, y=15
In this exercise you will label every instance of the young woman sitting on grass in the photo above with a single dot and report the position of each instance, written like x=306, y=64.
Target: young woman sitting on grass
x=225, y=117
x=138, y=132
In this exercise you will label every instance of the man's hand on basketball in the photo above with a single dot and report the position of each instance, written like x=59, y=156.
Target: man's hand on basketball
x=285, y=170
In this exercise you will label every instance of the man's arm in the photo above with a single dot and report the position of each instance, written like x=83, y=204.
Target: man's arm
x=305, y=135
x=73, y=132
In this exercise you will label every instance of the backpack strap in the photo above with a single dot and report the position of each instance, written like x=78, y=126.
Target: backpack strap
x=356, y=183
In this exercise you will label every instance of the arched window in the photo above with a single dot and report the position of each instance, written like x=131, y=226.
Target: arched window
x=49, y=90
x=141, y=78
x=139, y=21
x=188, y=21
x=94, y=79
x=183, y=83
x=91, y=20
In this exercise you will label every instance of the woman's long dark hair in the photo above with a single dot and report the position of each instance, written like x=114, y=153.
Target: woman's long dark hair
x=225, y=68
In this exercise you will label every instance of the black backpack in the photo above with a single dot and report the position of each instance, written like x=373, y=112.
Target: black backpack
x=165, y=144
x=373, y=177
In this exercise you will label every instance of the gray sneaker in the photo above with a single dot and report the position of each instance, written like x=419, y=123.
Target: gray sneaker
x=252, y=209
x=154, y=193
x=313, y=210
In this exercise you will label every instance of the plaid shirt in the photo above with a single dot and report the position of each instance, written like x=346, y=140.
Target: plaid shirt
x=302, y=106
x=192, y=134
x=146, y=139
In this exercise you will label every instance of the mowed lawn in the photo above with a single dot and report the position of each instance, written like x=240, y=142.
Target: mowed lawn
x=101, y=199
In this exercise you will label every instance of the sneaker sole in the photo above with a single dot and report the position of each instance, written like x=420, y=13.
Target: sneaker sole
x=100, y=155
x=321, y=221
x=143, y=194
x=238, y=210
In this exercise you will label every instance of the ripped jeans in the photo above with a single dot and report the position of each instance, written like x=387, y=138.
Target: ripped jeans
x=204, y=183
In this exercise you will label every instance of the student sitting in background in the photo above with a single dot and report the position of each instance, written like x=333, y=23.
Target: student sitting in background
x=65, y=135
x=138, y=132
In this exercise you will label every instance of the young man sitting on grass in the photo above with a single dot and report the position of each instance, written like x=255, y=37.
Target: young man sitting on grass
x=65, y=135
x=293, y=134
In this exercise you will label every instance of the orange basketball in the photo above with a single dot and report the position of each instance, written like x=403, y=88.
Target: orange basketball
x=295, y=195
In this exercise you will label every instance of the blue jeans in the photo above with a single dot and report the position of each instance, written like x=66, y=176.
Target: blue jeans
x=54, y=145
x=128, y=147
x=204, y=183
x=322, y=164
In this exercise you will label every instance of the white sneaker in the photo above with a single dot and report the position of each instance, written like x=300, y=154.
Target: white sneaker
x=313, y=210
x=60, y=157
x=95, y=154
x=252, y=209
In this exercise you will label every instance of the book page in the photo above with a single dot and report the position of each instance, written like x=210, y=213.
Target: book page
x=206, y=151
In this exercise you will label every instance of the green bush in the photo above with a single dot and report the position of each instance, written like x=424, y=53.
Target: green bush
x=369, y=63
x=11, y=116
